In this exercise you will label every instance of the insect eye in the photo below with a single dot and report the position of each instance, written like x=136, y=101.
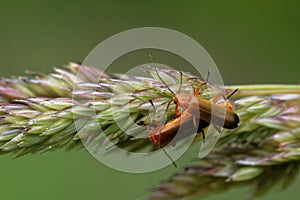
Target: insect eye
x=175, y=102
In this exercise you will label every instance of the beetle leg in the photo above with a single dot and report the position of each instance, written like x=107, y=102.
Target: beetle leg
x=216, y=98
x=202, y=84
x=192, y=92
x=197, y=91
x=177, y=113
x=218, y=128
x=203, y=136
x=195, y=122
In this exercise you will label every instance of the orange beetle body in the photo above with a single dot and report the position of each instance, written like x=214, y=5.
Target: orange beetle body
x=220, y=115
x=182, y=125
x=195, y=115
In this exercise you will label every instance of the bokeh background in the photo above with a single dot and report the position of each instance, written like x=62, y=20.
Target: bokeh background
x=251, y=42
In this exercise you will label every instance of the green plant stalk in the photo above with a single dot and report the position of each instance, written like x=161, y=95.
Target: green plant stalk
x=37, y=114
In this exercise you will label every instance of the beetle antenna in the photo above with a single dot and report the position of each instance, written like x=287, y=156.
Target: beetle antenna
x=121, y=142
x=115, y=145
x=154, y=109
x=164, y=116
x=179, y=90
x=160, y=76
x=232, y=93
x=207, y=77
x=168, y=155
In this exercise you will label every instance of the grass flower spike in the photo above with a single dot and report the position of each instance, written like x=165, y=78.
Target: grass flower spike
x=37, y=115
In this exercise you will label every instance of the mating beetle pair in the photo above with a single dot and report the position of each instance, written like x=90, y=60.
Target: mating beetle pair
x=195, y=115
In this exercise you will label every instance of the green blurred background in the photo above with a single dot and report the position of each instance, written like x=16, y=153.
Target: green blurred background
x=253, y=42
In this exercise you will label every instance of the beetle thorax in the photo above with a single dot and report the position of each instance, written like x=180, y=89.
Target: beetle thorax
x=185, y=100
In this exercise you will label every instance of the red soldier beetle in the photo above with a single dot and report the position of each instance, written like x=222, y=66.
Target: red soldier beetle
x=219, y=115
x=211, y=112
x=162, y=135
